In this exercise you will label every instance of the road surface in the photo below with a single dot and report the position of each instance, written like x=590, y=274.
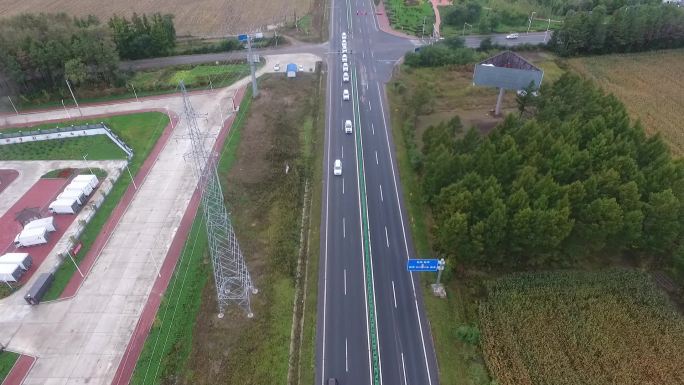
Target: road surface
x=372, y=327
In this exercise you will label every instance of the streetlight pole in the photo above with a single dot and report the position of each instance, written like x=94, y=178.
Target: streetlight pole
x=65, y=110
x=13, y=106
x=250, y=59
x=86, y=160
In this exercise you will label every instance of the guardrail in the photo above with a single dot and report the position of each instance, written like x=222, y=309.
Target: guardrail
x=65, y=133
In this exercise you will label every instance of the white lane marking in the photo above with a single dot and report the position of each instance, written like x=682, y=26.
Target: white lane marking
x=403, y=368
x=344, y=228
x=345, y=282
x=342, y=185
x=373, y=127
x=369, y=106
x=346, y=356
x=386, y=236
x=363, y=55
x=403, y=231
x=342, y=152
x=381, y=197
x=376, y=157
x=394, y=294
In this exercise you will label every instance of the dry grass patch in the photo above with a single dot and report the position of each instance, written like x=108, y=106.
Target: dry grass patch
x=651, y=84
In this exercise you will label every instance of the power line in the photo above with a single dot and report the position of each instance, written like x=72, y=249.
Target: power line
x=232, y=280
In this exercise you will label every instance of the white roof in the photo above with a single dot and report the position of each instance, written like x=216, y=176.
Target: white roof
x=85, y=177
x=32, y=231
x=63, y=202
x=40, y=223
x=13, y=256
x=8, y=268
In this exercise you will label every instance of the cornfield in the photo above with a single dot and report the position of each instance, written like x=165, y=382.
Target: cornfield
x=609, y=327
x=650, y=84
x=204, y=18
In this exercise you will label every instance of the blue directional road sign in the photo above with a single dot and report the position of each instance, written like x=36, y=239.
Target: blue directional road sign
x=242, y=37
x=422, y=265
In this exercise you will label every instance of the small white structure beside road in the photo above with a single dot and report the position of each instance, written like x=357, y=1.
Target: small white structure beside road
x=24, y=260
x=64, y=206
x=11, y=272
x=32, y=237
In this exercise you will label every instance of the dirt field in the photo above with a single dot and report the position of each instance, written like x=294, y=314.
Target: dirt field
x=210, y=18
x=651, y=84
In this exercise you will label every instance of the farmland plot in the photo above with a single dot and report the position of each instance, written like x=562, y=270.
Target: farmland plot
x=205, y=18
x=610, y=327
x=650, y=84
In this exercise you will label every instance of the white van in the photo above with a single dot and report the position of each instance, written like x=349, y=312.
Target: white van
x=347, y=127
x=337, y=167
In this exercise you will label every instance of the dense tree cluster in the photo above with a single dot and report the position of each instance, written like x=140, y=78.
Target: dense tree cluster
x=451, y=51
x=143, y=37
x=578, y=179
x=562, y=7
x=39, y=51
x=628, y=29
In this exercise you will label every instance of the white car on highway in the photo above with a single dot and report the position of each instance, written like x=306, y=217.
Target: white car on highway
x=512, y=36
x=345, y=94
x=276, y=67
x=344, y=58
x=344, y=49
x=337, y=167
x=345, y=67
x=347, y=127
x=344, y=36
x=345, y=77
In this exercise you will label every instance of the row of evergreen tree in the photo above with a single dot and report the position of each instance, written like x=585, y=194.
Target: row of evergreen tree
x=143, y=37
x=629, y=29
x=576, y=180
x=38, y=52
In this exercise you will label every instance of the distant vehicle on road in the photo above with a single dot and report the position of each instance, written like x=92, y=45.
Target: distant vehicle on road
x=276, y=67
x=344, y=49
x=332, y=381
x=512, y=36
x=345, y=94
x=345, y=77
x=337, y=167
x=345, y=67
x=347, y=127
x=344, y=36
x=344, y=58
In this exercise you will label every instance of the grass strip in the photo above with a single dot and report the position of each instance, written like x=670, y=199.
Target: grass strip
x=141, y=132
x=458, y=363
x=158, y=358
x=98, y=147
x=7, y=361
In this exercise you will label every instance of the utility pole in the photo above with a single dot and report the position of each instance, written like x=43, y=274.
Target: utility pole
x=423, y=33
x=134, y=93
x=13, y=106
x=86, y=160
x=529, y=24
x=250, y=59
x=72, y=95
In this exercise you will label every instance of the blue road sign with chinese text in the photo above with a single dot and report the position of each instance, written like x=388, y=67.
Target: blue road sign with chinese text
x=242, y=37
x=422, y=265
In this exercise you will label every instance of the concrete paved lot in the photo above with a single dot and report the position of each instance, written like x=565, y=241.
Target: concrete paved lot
x=82, y=340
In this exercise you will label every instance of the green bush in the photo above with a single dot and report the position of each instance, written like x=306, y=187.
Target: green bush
x=468, y=334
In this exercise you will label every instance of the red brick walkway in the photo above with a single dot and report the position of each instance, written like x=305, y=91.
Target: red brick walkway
x=130, y=358
x=19, y=370
x=7, y=177
x=38, y=196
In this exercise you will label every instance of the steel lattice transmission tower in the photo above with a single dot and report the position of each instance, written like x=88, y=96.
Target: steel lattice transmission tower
x=233, y=283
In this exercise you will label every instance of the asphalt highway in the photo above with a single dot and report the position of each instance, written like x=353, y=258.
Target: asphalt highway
x=372, y=328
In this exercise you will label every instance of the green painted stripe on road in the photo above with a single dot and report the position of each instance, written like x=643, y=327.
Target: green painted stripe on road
x=372, y=320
